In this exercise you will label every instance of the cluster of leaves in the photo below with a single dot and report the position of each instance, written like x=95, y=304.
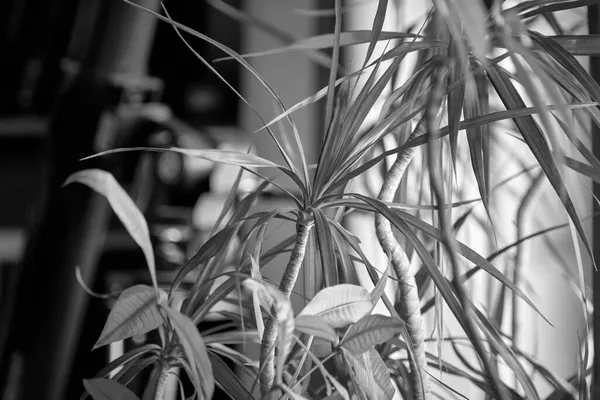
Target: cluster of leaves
x=336, y=334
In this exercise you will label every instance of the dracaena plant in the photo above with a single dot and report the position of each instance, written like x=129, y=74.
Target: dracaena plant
x=336, y=346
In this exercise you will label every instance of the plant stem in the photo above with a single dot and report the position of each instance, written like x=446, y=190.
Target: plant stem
x=161, y=384
x=410, y=310
x=288, y=280
x=522, y=214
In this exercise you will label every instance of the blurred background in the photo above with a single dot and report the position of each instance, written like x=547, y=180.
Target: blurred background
x=81, y=76
x=78, y=77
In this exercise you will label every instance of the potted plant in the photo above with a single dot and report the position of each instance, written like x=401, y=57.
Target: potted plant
x=335, y=347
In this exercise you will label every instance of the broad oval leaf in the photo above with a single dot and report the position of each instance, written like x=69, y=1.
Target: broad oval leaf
x=371, y=375
x=370, y=331
x=377, y=27
x=311, y=325
x=132, y=218
x=195, y=351
x=505, y=351
x=340, y=305
x=134, y=313
x=228, y=157
x=107, y=389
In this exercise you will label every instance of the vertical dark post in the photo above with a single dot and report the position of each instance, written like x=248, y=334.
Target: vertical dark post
x=109, y=53
x=594, y=28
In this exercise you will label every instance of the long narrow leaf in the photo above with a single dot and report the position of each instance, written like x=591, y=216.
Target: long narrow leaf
x=557, y=6
x=475, y=17
x=471, y=255
x=325, y=41
x=230, y=157
x=130, y=357
x=536, y=142
x=377, y=27
x=211, y=248
x=132, y=218
x=398, y=51
x=134, y=313
x=195, y=351
x=227, y=380
x=326, y=246
x=476, y=138
x=244, y=63
x=336, y=55
x=439, y=280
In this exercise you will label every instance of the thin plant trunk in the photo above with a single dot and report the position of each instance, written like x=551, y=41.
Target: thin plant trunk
x=288, y=280
x=410, y=310
x=161, y=384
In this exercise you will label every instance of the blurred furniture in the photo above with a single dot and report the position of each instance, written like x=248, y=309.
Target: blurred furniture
x=81, y=82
